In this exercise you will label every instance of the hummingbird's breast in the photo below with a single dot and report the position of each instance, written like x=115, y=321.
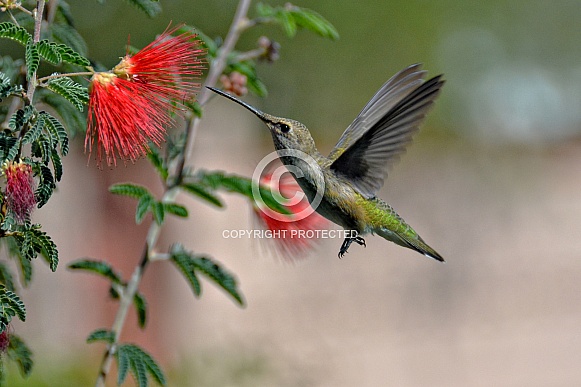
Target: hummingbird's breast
x=333, y=199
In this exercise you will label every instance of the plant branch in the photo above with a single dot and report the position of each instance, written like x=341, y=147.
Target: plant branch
x=38, y=11
x=216, y=69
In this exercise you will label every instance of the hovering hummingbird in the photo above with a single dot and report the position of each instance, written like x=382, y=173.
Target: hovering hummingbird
x=351, y=175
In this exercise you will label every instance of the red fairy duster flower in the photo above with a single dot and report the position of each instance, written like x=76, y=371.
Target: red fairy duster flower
x=19, y=189
x=133, y=104
x=296, y=234
x=4, y=340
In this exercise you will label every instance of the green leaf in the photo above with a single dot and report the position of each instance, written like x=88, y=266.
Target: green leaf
x=158, y=211
x=190, y=264
x=68, y=35
x=140, y=363
x=57, y=165
x=57, y=131
x=241, y=185
x=74, y=92
x=123, y=363
x=32, y=241
x=129, y=189
x=158, y=162
x=8, y=146
x=49, y=52
x=290, y=18
x=74, y=120
x=97, y=267
x=311, y=20
x=176, y=209
x=14, y=32
x=6, y=277
x=69, y=55
x=18, y=352
x=141, y=308
x=143, y=205
x=201, y=192
x=182, y=259
x=46, y=184
x=10, y=306
x=33, y=133
x=32, y=59
x=101, y=335
x=150, y=7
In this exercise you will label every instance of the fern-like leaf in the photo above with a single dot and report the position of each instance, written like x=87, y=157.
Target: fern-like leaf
x=200, y=191
x=57, y=131
x=32, y=58
x=10, y=306
x=190, y=264
x=104, y=335
x=6, y=277
x=46, y=184
x=176, y=209
x=129, y=189
x=14, y=32
x=97, y=267
x=19, y=352
x=74, y=92
x=241, y=185
x=141, y=307
x=139, y=363
x=150, y=7
x=143, y=206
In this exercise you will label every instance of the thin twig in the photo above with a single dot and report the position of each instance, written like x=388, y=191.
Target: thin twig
x=37, y=27
x=216, y=68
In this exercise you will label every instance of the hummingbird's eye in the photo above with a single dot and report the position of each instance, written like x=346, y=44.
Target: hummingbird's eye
x=284, y=127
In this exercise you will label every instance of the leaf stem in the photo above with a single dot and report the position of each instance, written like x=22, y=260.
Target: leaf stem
x=54, y=76
x=216, y=69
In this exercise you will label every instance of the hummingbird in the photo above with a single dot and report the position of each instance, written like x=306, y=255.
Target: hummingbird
x=342, y=187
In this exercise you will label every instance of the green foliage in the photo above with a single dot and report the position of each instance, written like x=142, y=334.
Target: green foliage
x=141, y=365
x=32, y=58
x=8, y=146
x=56, y=53
x=158, y=162
x=14, y=32
x=6, y=277
x=97, y=267
x=6, y=87
x=201, y=192
x=73, y=119
x=46, y=183
x=214, y=180
x=146, y=202
x=291, y=18
x=190, y=265
x=74, y=92
x=10, y=306
x=141, y=307
x=19, y=352
x=150, y=7
x=31, y=241
x=248, y=68
x=104, y=335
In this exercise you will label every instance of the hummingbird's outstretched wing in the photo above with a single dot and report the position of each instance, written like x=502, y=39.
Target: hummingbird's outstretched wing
x=383, y=129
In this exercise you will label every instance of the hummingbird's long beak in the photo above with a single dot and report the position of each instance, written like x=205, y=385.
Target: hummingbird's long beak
x=254, y=110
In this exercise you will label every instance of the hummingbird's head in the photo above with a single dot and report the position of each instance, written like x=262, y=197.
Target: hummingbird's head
x=286, y=133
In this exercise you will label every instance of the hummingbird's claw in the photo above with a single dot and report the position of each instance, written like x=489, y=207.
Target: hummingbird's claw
x=347, y=242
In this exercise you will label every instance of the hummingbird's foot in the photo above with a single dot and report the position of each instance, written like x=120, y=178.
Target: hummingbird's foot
x=347, y=242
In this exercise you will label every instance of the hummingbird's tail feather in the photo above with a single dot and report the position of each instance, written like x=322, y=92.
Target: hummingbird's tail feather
x=415, y=243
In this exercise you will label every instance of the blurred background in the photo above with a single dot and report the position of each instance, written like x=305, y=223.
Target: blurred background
x=492, y=182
